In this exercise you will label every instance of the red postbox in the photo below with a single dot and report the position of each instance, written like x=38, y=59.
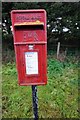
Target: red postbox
x=30, y=43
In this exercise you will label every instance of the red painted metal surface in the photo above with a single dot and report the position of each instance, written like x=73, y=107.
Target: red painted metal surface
x=30, y=41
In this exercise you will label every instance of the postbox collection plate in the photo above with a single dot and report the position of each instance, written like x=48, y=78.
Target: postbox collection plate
x=30, y=43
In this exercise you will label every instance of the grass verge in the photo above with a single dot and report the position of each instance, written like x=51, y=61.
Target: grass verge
x=58, y=99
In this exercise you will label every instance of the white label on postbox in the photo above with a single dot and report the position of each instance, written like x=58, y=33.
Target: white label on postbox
x=31, y=59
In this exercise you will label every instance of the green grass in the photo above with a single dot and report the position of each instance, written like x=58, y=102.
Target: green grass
x=58, y=99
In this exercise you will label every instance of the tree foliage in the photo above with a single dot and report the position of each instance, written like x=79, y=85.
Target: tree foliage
x=63, y=19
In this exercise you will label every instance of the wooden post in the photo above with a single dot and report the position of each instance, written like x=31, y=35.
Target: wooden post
x=58, y=49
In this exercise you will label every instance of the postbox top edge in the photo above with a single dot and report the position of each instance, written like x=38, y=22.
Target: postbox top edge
x=31, y=10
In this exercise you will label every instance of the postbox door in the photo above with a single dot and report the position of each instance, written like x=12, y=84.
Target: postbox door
x=32, y=65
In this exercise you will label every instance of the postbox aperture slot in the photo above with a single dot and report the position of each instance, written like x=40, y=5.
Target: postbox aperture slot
x=33, y=27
